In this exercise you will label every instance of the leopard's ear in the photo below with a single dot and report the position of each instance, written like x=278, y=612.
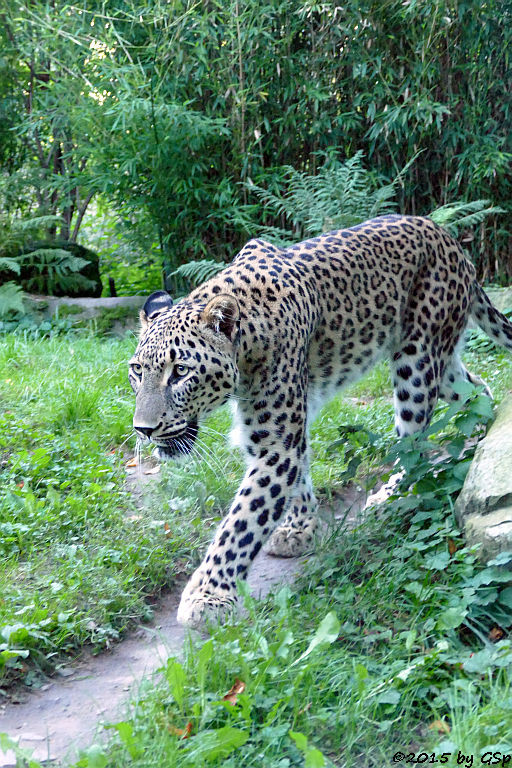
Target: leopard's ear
x=222, y=315
x=158, y=302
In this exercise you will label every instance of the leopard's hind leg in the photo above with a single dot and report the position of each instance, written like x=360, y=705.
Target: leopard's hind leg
x=456, y=371
x=417, y=368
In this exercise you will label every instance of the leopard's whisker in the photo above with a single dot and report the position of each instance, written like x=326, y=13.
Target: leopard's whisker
x=181, y=446
x=138, y=455
x=193, y=450
x=209, y=430
x=208, y=456
x=132, y=434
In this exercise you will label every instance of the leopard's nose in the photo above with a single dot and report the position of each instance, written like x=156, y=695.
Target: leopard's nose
x=145, y=431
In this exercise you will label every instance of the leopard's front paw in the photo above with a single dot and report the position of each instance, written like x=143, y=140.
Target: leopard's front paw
x=287, y=541
x=201, y=604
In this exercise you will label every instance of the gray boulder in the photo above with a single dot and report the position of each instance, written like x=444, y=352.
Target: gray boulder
x=484, y=506
x=107, y=315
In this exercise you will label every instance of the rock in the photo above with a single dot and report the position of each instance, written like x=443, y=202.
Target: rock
x=493, y=532
x=110, y=315
x=484, y=506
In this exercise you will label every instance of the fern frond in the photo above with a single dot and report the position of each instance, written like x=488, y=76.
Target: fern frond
x=9, y=264
x=56, y=269
x=11, y=298
x=461, y=215
x=15, y=232
x=56, y=257
x=340, y=195
x=35, y=223
x=198, y=272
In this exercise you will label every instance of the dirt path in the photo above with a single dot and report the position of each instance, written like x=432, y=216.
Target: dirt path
x=67, y=713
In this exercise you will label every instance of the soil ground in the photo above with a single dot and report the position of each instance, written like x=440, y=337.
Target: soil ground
x=68, y=711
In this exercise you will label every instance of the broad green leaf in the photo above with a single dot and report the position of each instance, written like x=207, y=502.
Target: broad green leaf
x=125, y=731
x=410, y=639
x=23, y=755
x=94, y=757
x=410, y=459
x=204, y=657
x=300, y=740
x=176, y=677
x=313, y=758
x=11, y=298
x=505, y=597
x=437, y=562
x=391, y=696
x=8, y=654
x=451, y=618
x=502, y=559
x=327, y=633
x=11, y=265
x=214, y=744
x=479, y=662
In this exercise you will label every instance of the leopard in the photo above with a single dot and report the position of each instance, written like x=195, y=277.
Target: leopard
x=277, y=333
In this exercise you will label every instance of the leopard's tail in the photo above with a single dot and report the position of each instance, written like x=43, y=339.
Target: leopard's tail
x=489, y=319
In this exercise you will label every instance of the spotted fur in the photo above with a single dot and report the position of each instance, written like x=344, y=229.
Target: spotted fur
x=278, y=332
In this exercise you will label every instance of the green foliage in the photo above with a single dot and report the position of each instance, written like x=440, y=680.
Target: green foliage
x=130, y=256
x=22, y=755
x=434, y=475
x=41, y=269
x=458, y=216
x=77, y=561
x=11, y=298
x=355, y=661
x=197, y=272
x=344, y=194
x=9, y=265
x=339, y=195
x=178, y=145
x=479, y=341
x=16, y=231
x=52, y=125
x=165, y=174
x=54, y=270
x=385, y=633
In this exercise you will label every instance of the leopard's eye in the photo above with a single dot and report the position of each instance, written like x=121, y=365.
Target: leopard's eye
x=180, y=370
x=137, y=369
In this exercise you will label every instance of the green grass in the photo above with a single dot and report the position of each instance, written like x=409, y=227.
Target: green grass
x=402, y=618
x=80, y=564
x=377, y=649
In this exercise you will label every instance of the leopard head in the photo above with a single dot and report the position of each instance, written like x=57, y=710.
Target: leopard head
x=184, y=367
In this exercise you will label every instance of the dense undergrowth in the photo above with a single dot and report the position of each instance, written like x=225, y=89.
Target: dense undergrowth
x=384, y=645
x=78, y=563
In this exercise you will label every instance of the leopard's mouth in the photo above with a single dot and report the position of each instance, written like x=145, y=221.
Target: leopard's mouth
x=180, y=445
